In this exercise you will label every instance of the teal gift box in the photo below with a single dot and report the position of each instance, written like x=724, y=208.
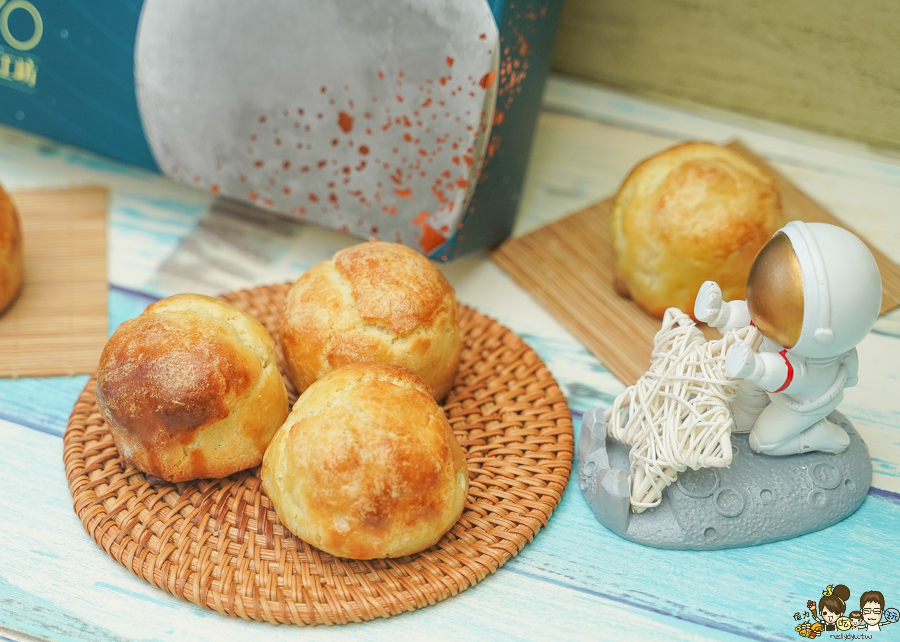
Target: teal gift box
x=67, y=72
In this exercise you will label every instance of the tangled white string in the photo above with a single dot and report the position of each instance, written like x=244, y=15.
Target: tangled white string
x=676, y=416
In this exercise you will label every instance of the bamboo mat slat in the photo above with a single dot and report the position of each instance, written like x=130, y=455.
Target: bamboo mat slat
x=59, y=324
x=568, y=267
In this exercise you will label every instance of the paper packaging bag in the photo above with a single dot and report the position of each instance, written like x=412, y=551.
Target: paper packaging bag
x=265, y=59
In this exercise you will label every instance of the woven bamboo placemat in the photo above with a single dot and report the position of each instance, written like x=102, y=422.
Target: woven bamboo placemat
x=59, y=323
x=568, y=267
x=219, y=544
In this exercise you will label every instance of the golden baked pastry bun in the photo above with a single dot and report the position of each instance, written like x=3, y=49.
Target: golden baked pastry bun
x=191, y=389
x=693, y=213
x=373, y=302
x=366, y=465
x=11, y=260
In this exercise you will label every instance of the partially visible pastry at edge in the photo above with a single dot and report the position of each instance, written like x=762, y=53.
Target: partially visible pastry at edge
x=11, y=261
x=696, y=212
x=191, y=389
x=372, y=302
x=366, y=465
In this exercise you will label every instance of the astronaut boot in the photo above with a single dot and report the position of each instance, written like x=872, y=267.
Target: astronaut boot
x=823, y=436
x=747, y=405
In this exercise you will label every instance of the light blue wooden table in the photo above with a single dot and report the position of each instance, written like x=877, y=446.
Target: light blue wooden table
x=576, y=580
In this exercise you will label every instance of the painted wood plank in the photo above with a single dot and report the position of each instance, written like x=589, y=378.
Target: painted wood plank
x=55, y=582
x=574, y=567
x=859, y=185
x=719, y=586
x=575, y=579
x=42, y=404
x=874, y=408
x=234, y=246
x=775, y=141
x=144, y=231
x=576, y=162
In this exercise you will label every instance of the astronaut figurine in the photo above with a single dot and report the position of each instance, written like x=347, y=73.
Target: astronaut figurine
x=814, y=292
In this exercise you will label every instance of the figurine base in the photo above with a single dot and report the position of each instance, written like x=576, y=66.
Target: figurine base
x=758, y=499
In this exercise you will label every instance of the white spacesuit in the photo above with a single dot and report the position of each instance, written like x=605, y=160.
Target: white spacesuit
x=814, y=292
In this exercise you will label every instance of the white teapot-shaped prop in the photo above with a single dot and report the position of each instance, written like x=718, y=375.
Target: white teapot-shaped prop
x=814, y=292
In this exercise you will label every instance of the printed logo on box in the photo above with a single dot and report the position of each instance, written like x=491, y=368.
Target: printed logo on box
x=835, y=612
x=21, y=29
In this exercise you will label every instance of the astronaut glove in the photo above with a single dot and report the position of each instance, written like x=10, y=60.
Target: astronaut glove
x=740, y=361
x=708, y=304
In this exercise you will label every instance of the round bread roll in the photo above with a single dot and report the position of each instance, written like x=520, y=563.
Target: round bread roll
x=696, y=212
x=366, y=465
x=10, y=251
x=372, y=302
x=191, y=389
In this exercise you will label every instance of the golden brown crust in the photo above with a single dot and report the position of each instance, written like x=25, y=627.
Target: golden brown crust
x=11, y=258
x=190, y=389
x=373, y=302
x=693, y=213
x=366, y=465
x=375, y=269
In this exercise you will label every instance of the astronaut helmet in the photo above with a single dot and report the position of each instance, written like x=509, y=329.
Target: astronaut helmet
x=815, y=289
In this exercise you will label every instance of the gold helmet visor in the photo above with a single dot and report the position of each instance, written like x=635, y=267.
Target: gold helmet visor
x=775, y=292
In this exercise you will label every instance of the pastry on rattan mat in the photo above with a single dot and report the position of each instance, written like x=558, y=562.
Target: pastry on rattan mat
x=218, y=542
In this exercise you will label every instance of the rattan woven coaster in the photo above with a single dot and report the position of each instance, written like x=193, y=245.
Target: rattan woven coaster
x=219, y=544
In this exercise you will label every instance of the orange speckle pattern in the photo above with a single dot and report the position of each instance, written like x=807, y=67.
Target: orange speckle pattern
x=431, y=239
x=345, y=122
x=405, y=149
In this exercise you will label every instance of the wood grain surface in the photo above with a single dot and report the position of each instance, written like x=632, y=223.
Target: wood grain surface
x=828, y=66
x=576, y=580
x=568, y=266
x=58, y=325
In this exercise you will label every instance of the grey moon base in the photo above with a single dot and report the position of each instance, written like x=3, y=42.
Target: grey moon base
x=757, y=500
